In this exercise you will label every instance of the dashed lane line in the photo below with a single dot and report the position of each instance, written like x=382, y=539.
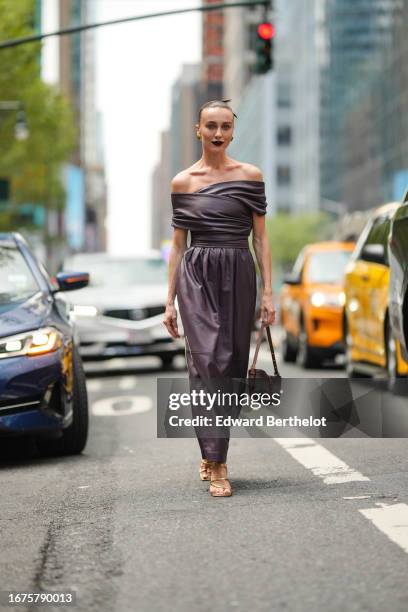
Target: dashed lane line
x=390, y=518
x=320, y=461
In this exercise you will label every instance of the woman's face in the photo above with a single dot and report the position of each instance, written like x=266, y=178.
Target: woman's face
x=216, y=126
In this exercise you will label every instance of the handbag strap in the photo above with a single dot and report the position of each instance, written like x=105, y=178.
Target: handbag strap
x=258, y=344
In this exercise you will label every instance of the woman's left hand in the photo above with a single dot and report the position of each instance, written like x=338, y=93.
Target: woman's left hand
x=267, y=310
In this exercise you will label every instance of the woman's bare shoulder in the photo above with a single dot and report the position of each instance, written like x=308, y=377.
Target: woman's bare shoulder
x=253, y=173
x=181, y=182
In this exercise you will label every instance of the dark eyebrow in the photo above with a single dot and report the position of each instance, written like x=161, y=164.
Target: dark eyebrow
x=212, y=121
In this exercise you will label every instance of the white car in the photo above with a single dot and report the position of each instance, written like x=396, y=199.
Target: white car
x=121, y=312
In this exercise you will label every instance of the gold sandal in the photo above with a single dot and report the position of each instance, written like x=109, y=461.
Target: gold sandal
x=225, y=492
x=204, y=469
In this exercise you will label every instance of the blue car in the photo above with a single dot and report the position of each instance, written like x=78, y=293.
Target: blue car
x=42, y=381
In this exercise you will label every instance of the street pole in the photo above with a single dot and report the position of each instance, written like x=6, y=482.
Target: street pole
x=6, y=44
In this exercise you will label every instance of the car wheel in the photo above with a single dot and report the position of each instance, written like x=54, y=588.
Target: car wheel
x=349, y=365
x=396, y=384
x=287, y=350
x=167, y=362
x=74, y=437
x=305, y=357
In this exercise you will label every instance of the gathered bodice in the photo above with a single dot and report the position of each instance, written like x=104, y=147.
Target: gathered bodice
x=225, y=207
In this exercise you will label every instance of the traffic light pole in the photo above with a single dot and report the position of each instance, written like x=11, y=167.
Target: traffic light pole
x=6, y=44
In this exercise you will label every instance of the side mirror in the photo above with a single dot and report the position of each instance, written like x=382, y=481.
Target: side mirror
x=374, y=253
x=68, y=281
x=290, y=279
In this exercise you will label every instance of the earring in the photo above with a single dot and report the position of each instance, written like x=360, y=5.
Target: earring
x=198, y=136
x=232, y=138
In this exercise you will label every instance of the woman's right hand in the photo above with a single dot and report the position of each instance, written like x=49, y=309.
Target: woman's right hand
x=170, y=320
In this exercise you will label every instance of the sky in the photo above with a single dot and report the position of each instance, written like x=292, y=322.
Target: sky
x=137, y=64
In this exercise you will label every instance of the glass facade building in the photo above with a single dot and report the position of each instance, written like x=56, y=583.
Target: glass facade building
x=359, y=35
x=375, y=152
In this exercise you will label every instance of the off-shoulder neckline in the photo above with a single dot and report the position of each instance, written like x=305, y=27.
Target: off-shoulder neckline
x=218, y=183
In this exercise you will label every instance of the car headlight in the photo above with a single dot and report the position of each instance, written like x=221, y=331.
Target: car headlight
x=84, y=311
x=318, y=298
x=36, y=342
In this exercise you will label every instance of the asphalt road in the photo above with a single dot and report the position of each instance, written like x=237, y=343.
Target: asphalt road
x=314, y=524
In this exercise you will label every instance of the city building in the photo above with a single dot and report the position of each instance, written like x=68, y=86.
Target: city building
x=212, y=67
x=68, y=62
x=254, y=131
x=253, y=97
x=359, y=36
x=186, y=99
x=375, y=129
x=161, y=210
x=299, y=44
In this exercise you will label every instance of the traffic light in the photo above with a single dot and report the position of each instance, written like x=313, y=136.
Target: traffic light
x=264, y=47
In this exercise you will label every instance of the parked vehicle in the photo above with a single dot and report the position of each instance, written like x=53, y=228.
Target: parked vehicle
x=311, y=304
x=371, y=346
x=121, y=312
x=398, y=287
x=42, y=383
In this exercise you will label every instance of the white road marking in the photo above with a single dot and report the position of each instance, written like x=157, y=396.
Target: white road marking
x=113, y=362
x=94, y=384
x=124, y=383
x=127, y=382
x=358, y=497
x=391, y=519
x=320, y=461
x=122, y=405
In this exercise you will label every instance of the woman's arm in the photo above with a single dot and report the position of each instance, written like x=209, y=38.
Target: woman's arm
x=178, y=246
x=260, y=243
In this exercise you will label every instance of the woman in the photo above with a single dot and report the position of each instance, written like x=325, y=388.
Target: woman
x=220, y=200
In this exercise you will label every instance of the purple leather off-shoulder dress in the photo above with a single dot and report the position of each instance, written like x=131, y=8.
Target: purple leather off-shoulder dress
x=216, y=283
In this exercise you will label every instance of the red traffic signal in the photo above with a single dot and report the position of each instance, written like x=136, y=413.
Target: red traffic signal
x=266, y=31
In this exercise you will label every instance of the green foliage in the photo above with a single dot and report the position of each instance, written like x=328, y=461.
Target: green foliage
x=33, y=166
x=289, y=233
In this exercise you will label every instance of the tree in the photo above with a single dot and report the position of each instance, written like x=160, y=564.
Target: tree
x=288, y=233
x=33, y=166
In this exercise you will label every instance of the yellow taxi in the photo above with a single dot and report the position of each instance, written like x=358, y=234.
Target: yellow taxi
x=311, y=304
x=371, y=348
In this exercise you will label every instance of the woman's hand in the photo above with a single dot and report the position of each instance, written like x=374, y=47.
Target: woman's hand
x=267, y=309
x=170, y=320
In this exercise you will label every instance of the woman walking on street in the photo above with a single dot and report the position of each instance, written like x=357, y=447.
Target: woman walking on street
x=219, y=200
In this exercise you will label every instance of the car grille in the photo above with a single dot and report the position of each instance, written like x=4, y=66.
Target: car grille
x=128, y=313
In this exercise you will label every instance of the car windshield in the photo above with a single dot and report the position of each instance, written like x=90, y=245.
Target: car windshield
x=120, y=273
x=327, y=266
x=17, y=282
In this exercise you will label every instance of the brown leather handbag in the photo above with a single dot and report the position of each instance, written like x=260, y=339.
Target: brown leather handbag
x=259, y=380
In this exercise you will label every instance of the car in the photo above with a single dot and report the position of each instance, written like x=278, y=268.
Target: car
x=120, y=313
x=311, y=304
x=398, y=286
x=42, y=383
x=372, y=348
